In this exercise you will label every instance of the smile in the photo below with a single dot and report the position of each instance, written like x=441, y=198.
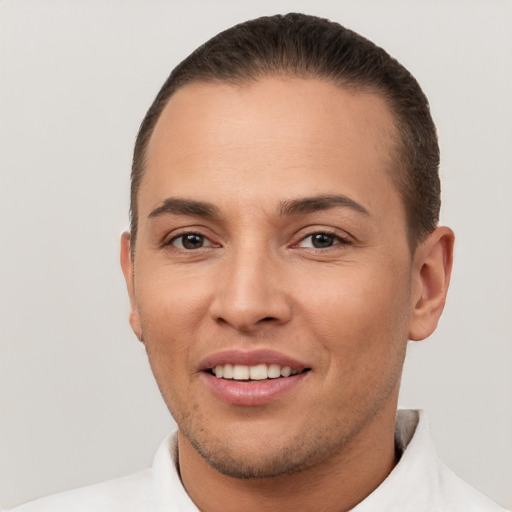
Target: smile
x=252, y=377
x=256, y=372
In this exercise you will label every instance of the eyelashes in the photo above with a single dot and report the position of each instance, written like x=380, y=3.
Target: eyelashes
x=190, y=241
x=320, y=240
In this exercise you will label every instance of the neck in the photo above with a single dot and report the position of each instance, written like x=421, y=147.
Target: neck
x=337, y=484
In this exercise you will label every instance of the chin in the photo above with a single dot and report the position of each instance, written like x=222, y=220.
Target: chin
x=234, y=464
x=264, y=456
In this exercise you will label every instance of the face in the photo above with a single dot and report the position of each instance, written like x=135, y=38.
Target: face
x=272, y=273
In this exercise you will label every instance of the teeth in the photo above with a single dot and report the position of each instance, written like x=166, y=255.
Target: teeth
x=228, y=371
x=274, y=371
x=257, y=372
x=240, y=372
x=286, y=371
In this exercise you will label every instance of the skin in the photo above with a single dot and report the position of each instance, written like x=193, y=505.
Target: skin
x=257, y=281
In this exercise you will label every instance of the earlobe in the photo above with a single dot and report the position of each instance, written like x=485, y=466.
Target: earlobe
x=432, y=270
x=128, y=271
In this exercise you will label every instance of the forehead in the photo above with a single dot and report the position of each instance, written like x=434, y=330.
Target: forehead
x=306, y=135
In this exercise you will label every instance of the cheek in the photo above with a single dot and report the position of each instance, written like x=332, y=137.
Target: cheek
x=172, y=310
x=171, y=302
x=361, y=331
x=361, y=316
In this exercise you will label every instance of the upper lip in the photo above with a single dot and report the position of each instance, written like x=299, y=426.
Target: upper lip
x=251, y=358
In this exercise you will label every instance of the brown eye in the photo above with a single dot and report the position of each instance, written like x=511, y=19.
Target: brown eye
x=189, y=241
x=322, y=240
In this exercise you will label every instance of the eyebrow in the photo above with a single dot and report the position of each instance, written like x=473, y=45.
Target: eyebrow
x=302, y=206
x=322, y=202
x=176, y=206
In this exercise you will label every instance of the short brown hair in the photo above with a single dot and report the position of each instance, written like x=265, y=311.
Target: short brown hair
x=309, y=47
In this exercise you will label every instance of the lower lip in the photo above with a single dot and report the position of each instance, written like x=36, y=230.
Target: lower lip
x=259, y=392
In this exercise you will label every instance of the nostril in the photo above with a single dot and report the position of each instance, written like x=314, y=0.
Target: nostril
x=267, y=319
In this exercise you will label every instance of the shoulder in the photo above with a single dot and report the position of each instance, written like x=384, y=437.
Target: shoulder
x=456, y=495
x=420, y=482
x=447, y=492
x=126, y=494
x=158, y=488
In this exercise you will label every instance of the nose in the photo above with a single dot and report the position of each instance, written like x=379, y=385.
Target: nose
x=251, y=292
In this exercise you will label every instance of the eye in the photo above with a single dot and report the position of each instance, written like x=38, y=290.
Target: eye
x=190, y=241
x=322, y=240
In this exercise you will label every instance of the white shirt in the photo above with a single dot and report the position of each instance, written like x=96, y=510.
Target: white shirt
x=418, y=483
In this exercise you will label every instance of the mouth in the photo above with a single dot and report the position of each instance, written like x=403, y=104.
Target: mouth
x=253, y=377
x=253, y=373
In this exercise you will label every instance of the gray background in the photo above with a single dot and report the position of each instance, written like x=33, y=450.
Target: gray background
x=78, y=403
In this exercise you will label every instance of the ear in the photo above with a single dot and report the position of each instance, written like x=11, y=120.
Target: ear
x=129, y=276
x=432, y=269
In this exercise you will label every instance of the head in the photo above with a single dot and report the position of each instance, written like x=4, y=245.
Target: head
x=298, y=45
x=284, y=209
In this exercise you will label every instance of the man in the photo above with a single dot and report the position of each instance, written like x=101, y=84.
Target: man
x=283, y=249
